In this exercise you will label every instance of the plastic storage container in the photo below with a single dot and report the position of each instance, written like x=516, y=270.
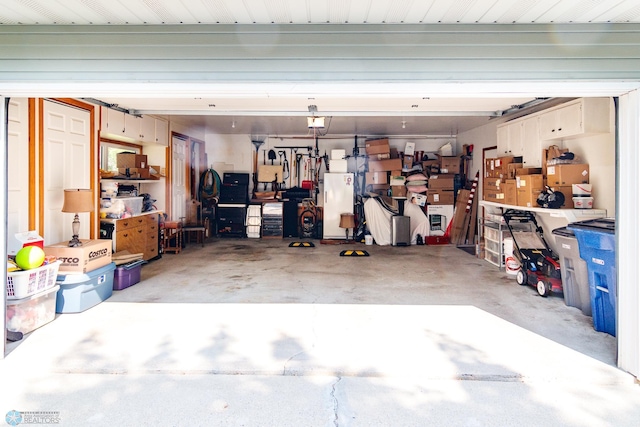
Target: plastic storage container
x=597, y=244
x=121, y=207
x=78, y=292
x=575, y=276
x=26, y=314
x=24, y=283
x=127, y=275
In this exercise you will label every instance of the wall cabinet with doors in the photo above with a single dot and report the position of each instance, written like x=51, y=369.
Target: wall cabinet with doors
x=146, y=129
x=520, y=137
x=580, y=117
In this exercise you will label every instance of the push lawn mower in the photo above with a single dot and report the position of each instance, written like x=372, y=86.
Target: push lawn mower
x=539, y=266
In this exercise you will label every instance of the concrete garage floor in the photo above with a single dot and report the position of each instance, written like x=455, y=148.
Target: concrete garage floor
x=253, y=333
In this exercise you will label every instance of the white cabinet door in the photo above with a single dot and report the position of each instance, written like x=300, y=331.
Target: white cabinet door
x=162, y=132
x=112, y=121
x=67, y=164
x=132, y=127
x=531, y=144
x=509, y=138
x=147, y=129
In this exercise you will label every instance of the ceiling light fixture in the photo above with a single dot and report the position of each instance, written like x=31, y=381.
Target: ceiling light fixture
x=404, y=124
x=233, y=124
x=313, y=121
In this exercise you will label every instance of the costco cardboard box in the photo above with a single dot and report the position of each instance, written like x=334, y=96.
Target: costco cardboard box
x=82, y=259
x=568, y=174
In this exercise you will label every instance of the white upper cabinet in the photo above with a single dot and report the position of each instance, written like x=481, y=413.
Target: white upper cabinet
x=162, y=132
x=510, y=139
x=144, y=129
x=577, y=118
x=531, y=143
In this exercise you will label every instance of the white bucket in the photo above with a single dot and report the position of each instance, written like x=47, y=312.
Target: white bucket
x=581, y=190
x=511, y=264
x=583, y=202
x=368, y=239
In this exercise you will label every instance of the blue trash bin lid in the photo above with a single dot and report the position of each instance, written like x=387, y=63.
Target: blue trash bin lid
x=602, y=225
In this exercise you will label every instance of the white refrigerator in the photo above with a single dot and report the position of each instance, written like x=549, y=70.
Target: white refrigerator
x=338, y=199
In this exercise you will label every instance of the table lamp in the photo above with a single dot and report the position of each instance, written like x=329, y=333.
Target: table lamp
x=347, y=221
x=77, y=200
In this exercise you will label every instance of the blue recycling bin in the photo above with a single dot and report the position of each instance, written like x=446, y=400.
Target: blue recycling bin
x=597, y=245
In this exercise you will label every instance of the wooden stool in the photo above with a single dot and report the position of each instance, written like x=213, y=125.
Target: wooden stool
x=172, y=240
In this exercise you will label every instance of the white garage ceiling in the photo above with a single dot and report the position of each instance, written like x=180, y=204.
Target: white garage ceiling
x=262, y=113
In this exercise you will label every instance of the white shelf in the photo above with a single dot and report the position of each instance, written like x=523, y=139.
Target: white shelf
x=133, y=181
x=571, y=215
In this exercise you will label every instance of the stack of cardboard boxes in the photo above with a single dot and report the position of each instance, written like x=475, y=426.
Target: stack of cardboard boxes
x=383, y=164
x=509, y=183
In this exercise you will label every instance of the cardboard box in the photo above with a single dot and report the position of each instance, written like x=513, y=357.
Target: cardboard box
x=395, y=180
x=567, y=174
x=439, y=217
x=440, y=197
x=131, y=160
x=136, y=173
x=376, y=177
x=381, y=156
x=431, y=166
x=493, y=195
x=385, y=165
x=442, y=181
x=377, y=146
x=398, y=191
x=338, y=165
x=380, y=188
x=528, y=171
x=510, y=192
x=492, y=183
x=498, y=167
x=449, y=164
x=511, y=170
x=338, y=154
x=407, y=162
x=530, y=181
x=528, y=188
x=82, y=259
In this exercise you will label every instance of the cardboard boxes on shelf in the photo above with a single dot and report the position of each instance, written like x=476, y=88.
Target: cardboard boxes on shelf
x=528, y=188
x=377, y=146
x=567, y=174
x=449, y=164
x=131, y=160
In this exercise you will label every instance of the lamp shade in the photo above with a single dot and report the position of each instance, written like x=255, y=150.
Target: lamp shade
x=78, y=200
x=347, y=220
